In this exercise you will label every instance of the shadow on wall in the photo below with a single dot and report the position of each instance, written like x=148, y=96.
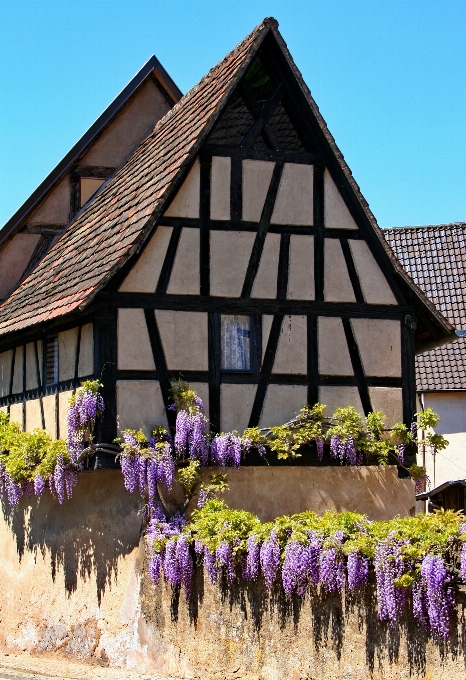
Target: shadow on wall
x=85, y=536
x=327, y=633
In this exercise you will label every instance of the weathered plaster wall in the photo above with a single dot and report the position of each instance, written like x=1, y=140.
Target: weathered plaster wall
x=74, y=585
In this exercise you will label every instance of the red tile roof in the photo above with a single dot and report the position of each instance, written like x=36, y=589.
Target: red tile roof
x=435, y=257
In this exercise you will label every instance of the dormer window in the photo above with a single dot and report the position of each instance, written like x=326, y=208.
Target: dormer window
x=89, y=186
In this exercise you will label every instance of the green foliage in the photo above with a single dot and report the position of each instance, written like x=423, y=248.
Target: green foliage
x=286, y=440
x=27, y=454
x=183, y=396
x=189, y=476
x=86, y=386
x=216, y=522
x=217, y=484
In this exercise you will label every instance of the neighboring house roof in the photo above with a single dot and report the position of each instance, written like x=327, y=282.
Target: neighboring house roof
x=435, y=257
x=151, y=68
x=116, y=224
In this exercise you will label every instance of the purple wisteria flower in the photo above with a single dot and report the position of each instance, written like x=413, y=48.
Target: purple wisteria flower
x=295, y=568
x=332, y=570
x=251, y=563
x=440, y=598
x=320, y=448
x=358, y=570
x=345, y=449
x=226, y=450
x=389, y=565
x=225, y=558
x=270, y=560
x=39, y=485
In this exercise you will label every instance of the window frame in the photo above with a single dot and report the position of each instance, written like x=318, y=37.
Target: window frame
x=255, y=344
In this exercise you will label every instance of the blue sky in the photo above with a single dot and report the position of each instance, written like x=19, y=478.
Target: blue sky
x=389, y=78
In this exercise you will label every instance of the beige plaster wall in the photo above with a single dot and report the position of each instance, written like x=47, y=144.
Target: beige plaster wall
x=291, y=356
x=220, y=188
x=63, y=406
x=334, y=356
x=50, y=404
x=294, y=203
x=451, y=462
x=184, y=338
x=265, y=283
x=271, y=491
x=144, y=276
x=18, y=370
x=186, y=201
x=140, y=405
x=16, y=413
x=31, y=365
x=134, y=348
x=185, y=276
x=282, y=402
x=129, y=128
x=379, y=344
x=336, y=214
x=374, y=285
x=339, y=397
x=5, y=372
x=56, y=207
x=337, y=283
x=301, y=268
x=266, y=326
x=236, y=406
x=67, y=347
x=256, y=182
x=33, y=415
x=390, y=401
x=14, y=258
x=86, y=351
x=229, y=257
x=89, y=186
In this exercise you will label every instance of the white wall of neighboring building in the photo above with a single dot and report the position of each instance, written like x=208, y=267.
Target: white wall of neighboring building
x=451, y=462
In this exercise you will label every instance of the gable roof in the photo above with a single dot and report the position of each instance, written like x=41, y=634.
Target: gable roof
x=151, y=68
x=119, y=220
x=435, y=257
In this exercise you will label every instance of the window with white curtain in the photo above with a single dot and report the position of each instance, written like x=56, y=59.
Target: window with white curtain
x=236, y=343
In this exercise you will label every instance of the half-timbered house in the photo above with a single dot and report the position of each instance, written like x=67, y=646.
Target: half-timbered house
x=233, y=248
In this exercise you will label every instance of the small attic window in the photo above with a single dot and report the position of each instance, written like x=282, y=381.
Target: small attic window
x=259, y=80
x=89, y=186
x=236, y=342
x=51, y=360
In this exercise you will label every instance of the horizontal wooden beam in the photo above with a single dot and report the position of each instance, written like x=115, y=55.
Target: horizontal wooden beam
x=255, y=154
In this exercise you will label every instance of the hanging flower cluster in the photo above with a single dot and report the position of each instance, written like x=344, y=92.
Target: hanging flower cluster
x=85, y=407
x=333, y=551
x=31, y=462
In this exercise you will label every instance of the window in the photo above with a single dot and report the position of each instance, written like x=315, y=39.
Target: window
x=51, y=360
x=236, y=343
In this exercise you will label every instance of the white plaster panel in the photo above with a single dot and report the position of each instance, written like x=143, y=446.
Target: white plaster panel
x=266, y=326
x=282, y=403
x=390, y=401
x=31, y=368
x=56, y=207
x=337, y=283
x=5, y=372
x=86, y=351
x=220, y=188
x=33, y=415
x=336, y=214
x=63, y=406
x=236, y=406
x=256, y=182
x=301, y=268
x=185, y=277
x=134, y=348
x=14, y=258
x=186, y=201
x=229, y=258
x=136, y=120
x=140, y=405
x=144, y=276
x=265, y=283
x=202, y=391
x=16, y=413
x=379, y=344
x=3, y=409
x=334, y=356
x=291, y=356
x=339, y=397
x=67, y=346
x=374, y=285
x=184, y=338
x=18, y=370
x=50, y=414
x=294, y=203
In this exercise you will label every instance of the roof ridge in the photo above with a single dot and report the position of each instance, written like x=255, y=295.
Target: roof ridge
x=461, y=225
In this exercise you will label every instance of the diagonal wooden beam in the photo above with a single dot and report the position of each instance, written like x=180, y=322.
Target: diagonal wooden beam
x=262, y=115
